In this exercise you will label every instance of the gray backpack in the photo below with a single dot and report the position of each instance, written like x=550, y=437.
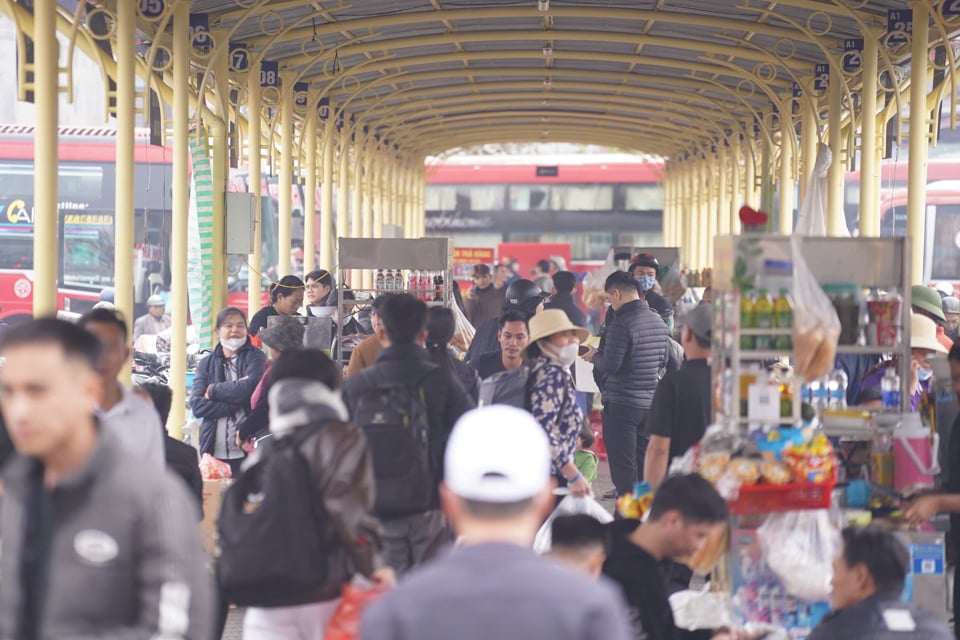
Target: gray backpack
x=507, y=387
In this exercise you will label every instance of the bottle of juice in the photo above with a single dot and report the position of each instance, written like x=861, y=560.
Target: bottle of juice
x=747, y=320
x=783, y=319
x=763, y=317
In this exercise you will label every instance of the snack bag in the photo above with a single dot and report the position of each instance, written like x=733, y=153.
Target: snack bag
x=213, y=469
x=816, y=327
x=345, y=623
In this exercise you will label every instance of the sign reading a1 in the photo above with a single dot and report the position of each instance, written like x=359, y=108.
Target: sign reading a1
x=200, y=30
x=821, y=77
x=950, y=8
x=852, y=54
x=300, y=94
x=323, y=108
x=899, y=20
x=239, y=57
x=269, y=74
x=152, y=9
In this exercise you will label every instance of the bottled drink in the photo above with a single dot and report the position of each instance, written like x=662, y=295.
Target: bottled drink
x=398, y=280
x=379, y=281
x=890, y=389
x=820, y=394
x=747, y=320
x=413, y=283
x=783, y=320
x=388, y=281
x=424, y=285
x=838, y=389
x=438, y=287
x=763, y=317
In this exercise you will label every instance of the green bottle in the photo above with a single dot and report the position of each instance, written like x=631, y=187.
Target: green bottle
x=763, y=316
x=783, y=319
x=748, y=320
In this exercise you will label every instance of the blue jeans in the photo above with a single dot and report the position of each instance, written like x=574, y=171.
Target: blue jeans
x=624, y=434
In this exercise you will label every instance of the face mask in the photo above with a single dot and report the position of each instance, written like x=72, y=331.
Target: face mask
x=564, y=356
x=924, y=374
x=646, y=282
x=233, y=344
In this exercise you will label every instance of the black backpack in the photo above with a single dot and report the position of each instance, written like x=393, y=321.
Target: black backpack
x=274, y=541
x=393, y=416
x=511, y=387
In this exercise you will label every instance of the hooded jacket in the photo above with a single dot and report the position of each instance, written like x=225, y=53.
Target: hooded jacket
x=483, y=304
x=225, y=398
x=341, y=475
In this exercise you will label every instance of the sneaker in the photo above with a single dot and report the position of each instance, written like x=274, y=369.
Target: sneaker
x=610, y=495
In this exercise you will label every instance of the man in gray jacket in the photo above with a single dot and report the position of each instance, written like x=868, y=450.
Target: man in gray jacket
x=96, y=544
x=631, y=356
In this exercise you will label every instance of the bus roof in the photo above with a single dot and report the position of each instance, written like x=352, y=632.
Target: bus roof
x=80, y=144
x=483, y=173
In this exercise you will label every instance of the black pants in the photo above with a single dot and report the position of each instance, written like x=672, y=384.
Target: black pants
x=956, y=600
x=624, y=434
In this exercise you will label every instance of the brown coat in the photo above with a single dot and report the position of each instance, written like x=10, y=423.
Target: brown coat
x=483, y=304
x=364, y=355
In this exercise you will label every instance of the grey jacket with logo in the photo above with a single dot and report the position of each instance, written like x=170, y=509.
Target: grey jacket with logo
x=125, y=560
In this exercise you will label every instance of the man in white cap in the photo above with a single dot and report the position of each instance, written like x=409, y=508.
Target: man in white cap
x=493, y=585
x=154, y=322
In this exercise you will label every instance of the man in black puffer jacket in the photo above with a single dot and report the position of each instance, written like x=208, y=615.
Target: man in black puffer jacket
x=635, y=349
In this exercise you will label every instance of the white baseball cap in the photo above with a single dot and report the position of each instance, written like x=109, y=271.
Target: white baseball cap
x=497, y=454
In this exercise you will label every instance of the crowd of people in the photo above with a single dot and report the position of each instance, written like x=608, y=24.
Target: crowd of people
x=425, y=467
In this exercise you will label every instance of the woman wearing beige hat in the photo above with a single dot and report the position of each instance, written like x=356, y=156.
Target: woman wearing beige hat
x=554, y=342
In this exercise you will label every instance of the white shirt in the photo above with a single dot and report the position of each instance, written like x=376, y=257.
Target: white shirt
x=136, y=423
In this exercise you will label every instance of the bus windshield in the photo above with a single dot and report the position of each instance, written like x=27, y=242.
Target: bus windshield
x=88, y=249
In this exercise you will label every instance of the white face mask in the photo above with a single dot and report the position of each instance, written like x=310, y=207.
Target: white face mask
x=564, y=356
x=233, y=344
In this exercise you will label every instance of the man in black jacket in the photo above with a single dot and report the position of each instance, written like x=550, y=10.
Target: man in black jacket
x=410, y=538
x=565, y=298
x=635, y=348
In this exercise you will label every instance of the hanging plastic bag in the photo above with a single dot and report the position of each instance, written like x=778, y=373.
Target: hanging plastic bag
x=213, y=469
x=673, y=283
x=593, y=293
x=463, y=331
x=812, y=220
x=357, y=595
x=799, y=547
x=569, y=506
x=816, y=327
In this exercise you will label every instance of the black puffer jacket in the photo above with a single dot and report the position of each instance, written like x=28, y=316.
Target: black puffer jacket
x=634, y=350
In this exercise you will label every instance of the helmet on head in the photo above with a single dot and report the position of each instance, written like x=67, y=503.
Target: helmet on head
x=521, y=291
x=644, y=260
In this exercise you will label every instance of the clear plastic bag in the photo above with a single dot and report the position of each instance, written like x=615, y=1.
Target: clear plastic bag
x=593, y=294
x=569, y=506
x=213, y=469
x=799, y=547
x=673, y=282
x=812, y=220
x=463, y=330
x=816, y=327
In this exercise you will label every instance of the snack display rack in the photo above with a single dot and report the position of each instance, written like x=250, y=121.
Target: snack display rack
x=434, y=255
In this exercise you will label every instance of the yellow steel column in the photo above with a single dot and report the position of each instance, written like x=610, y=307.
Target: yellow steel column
x=46, y=85
x=665, y=222
x=343, y=200
x=285, y=180
x=787, y=183
x=836, y=221
x=809, y=129
x=919, y=130
x=356, y=190
x=712, y=200
x=181, y=207
x=328, y=240
x=723, y=203
x=736, y=187
x=407, y=197
x=686, y=213
x=366, y=206
x=703, y=241
x=217, y=127
x=254, y=144
x=310, y=191
x=379, y=214
x=869, y=167
x=750, y=174
x=124, y=207
x=766, y=178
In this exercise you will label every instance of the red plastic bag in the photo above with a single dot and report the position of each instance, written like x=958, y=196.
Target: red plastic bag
x=213, y=469
x=345, y=623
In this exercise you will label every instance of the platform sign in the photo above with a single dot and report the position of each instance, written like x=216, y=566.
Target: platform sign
x=950, y=8
x=152, y=9
x=269, y=73
x=899, y=20
x=821, y=77
x=200, y=30
x=323, y=109
x=239, y=57
x=852, y=54
x=300, y=94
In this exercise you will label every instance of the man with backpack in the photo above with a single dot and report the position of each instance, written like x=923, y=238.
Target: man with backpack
x=407, y=406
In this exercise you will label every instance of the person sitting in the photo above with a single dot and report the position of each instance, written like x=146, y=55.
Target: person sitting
x=579, y=541
x=286, y=297
x=869, y=572
x=366, y=352
x=319, y=291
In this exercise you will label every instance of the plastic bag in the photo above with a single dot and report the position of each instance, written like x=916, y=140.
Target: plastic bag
x=812, y=220
x=702, y=609
x=213, y=469
x=463, y=331
x=569, y=506
x=799, y=547
x=816, y=327
x=673, y=282
x=593, y=294
x=345, y=623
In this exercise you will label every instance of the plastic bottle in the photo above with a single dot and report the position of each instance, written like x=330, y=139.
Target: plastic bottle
x=413, y=283
x=890, y=389
x=425, y=280
x=820, y=394
x=747, y=320
x=398, y=280
x=438, y=287
x=379, y=281
x=838, y=389
x=388, y=281
x=783, y=320
x=763, y=317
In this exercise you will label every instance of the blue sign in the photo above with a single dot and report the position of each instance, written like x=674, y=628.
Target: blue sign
x=950, y=8
x=269, y=73
x=239, y=57
x=323, y=109
x=300, y=94
x=152, y=9
x=852, y=54
x=821, y=77
x=899, y=20
x=200, y=30
x=926, y=559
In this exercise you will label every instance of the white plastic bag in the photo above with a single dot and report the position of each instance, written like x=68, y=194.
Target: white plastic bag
x=593, y=295
x=816, y=327
x=464, y=331
x=701, y=609
x=812, y=220
x=569, y=506
x=799, y=547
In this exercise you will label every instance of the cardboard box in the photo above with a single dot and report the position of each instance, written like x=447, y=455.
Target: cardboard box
x=213, y=491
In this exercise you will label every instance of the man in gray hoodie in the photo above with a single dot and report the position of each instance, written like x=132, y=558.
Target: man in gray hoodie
x=96, y=544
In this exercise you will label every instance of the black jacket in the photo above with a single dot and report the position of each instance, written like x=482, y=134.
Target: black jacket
x=182, y=461
x=464, y=373
x=225, y=397
x=445, y=398
x=484, y=341
x=865, y=621
x=566, y=303
x=633, y=352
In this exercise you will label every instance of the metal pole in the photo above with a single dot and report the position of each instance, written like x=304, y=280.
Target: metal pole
x=254, y=176
x=809, y=138
x=766, y=179
x=45, y=159
x=787, y=183
x=835, y=219
x=285, y=181
x=712, y=202
x=217, y=129
x=723, y=204
x=310, y=194
x=378, y=199
x=343, y=191
x=327, y=237
x=181, y=207
x=750, y=179
x=367, y=202
x=869, y=167
x=356, y=190
x=736, y=187
x=124, y=207
x=919, y=130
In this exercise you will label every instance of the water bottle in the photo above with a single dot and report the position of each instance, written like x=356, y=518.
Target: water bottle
x=820, y=393
x=838, y=389
x=890, y=389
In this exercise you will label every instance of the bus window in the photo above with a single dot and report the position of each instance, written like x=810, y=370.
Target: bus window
x=585, y=197
x=643, y=197
x=16, y=251
x=88, y=250
x=946, y=243
x=525, y=197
